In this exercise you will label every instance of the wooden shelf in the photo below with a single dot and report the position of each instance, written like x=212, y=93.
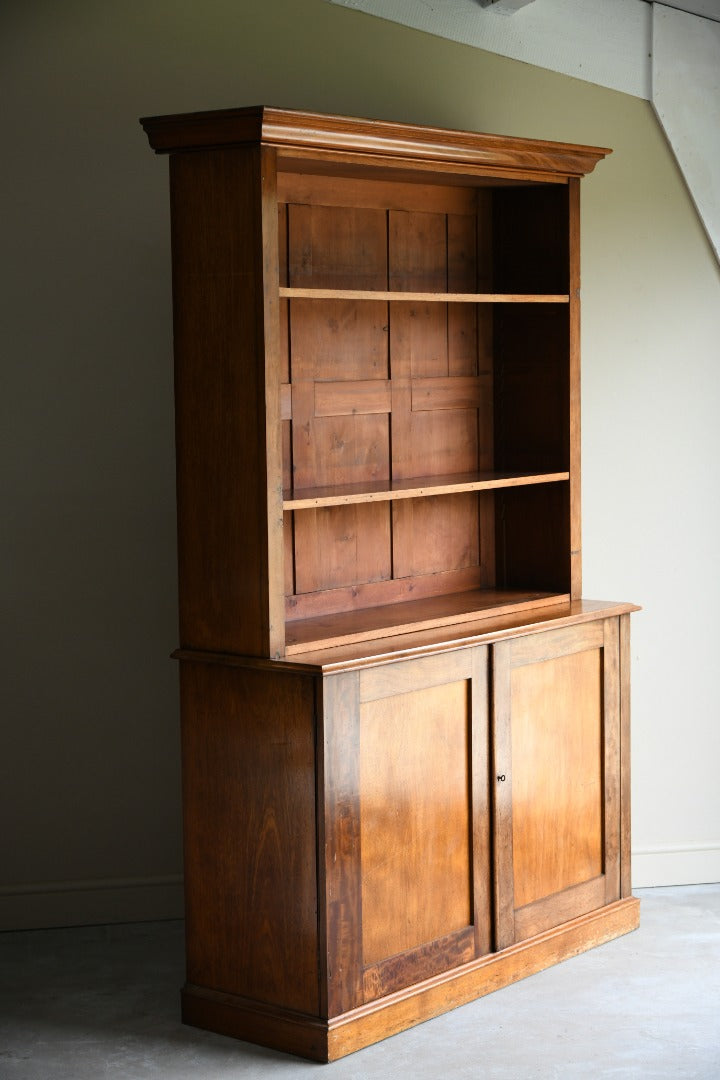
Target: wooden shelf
x=367, y=624
x=287, y=293
x=415, y=488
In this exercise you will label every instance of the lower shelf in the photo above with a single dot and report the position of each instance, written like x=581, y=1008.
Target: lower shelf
x=368, y=624
x=327, y=1040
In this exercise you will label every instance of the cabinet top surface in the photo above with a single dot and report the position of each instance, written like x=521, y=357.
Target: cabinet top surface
x=409, y=645
x=292, y=131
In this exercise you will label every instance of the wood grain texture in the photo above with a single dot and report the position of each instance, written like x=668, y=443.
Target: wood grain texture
x=378, y=391
x=562, y=642
x=402, y=1010
x=558, y=908
x=532, y=537
x=240, y=1018
x=417, y=487
x=369, y=624
x=418, y=964
x=574, y=462
x=415, y=813
x=387, y=680
x=248, y=746
x=481, y=779
x=465, y=323
x=309, y=188
x=295, y=129
x=320, y=1040
x=426, y=296
x=228, y=473
x=557, y=779
x=501, y=798
x=381, y=167
x=341, y=546
x=456, y=392
x=329, y=344
x=341, y=831
x=349, y=398
x=276, y=371
x=337, y=340
x=434, y=535
x=479, y=630
x=371, y=594
x=486, y=370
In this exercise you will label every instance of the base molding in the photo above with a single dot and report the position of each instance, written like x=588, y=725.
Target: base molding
x=252, y=1021
x=327, y=1040
x=685, y=863
x=91, y=902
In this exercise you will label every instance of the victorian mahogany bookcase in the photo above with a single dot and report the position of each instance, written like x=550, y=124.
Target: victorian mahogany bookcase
x=405, y=733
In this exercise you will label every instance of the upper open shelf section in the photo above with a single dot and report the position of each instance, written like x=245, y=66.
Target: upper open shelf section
x=377, y=377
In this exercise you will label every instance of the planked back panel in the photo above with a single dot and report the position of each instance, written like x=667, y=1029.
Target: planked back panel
x=379, y=391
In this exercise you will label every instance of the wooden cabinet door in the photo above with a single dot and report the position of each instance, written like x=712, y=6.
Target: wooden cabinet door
x=406, y=823
x=556, y=777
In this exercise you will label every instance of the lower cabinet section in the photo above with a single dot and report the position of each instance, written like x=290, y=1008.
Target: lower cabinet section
x=370, y=847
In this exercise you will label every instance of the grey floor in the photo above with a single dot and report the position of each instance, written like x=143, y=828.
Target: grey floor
x=102, y=1002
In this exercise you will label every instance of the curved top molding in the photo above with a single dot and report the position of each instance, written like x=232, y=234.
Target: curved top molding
x=306, y=131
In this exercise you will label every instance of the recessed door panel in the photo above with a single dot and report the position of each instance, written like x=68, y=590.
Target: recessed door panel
x=557, y=774
x=415, y=819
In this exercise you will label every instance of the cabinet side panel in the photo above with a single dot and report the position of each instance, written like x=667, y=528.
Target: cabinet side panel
x=220, y=401
x=574, y=391
x=250, y=834
x=530, y=234
x=533, y=538
x=275, y=359
x=536, y=359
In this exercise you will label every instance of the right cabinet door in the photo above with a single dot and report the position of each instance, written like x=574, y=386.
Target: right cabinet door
x=555, y=777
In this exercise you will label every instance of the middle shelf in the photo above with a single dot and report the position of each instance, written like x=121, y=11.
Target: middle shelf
x=290, y=293
x=413, y=488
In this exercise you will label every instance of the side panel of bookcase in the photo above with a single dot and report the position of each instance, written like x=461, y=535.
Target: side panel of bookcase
x=225, y=462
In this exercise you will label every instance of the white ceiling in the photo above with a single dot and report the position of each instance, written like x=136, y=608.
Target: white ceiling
x=708, y=9
x=667, y=53
x=600, y=41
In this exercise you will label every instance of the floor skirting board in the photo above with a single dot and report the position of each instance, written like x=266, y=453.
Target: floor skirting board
x=144, y=899
x=84, y=903
x=689, y=863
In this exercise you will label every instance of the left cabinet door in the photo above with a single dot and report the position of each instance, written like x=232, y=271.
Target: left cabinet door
x=406, y=823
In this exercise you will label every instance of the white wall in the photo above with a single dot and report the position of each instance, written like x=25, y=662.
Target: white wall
x=89, y=777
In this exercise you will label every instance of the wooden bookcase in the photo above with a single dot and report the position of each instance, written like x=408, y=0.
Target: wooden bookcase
x=393, y=693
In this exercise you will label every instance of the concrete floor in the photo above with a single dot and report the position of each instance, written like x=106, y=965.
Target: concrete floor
x=102, y=1002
